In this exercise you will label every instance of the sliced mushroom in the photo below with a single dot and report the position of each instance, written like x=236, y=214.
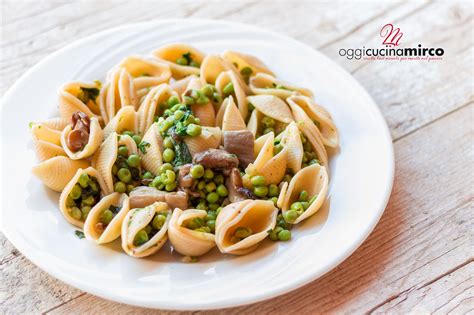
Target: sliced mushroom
x=143, y=196
x=235, y=187
x=240, y=143
x=216, y=159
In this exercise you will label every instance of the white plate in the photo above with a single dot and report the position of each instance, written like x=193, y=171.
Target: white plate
x=361, y=177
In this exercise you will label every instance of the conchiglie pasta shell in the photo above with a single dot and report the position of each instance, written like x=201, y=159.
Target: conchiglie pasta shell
x=272, y=106
x=313, y=179
x=125, y=120
x=239, y=90
x=152, y=159
x=311, y=132
x=291, y=141
x=45, y=150
x=232, y=120
x=211, y=67
x=185, y=241
x=151, y=105
x=120, y=92
x=259, y=215
x=253, y=124
x=282, y=195
x=244, y=60
x=205, y=112
x=136, y=220
x=56, y=123
x=69, y=103
x=260, y=142
x=114, y=228
x=221, y=111
x=265, y=84
x=44, y=133
x=146, y=72
x=96, y=137
x=210, y=138
x=92, y=172
x=181, y=85
x=58, y=171
x=326, y=126
x=171, y=52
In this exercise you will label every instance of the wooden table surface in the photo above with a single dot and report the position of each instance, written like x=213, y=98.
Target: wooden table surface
x=420, y=256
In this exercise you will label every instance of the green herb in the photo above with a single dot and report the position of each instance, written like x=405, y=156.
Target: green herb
x=182, y=154
x=79, y=234
x=31, y=124
x=187, y=56
x=98, y=83
x=142, y=146
x=88, y=94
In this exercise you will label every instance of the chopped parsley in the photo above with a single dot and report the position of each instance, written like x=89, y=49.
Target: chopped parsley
x=79, y=234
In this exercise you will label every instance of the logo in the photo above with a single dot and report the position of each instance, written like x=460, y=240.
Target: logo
x=391, y=36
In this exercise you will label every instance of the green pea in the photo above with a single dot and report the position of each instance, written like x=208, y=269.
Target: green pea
x=170, y=177
x=85, y=212
x=290, y=216
x=195, y=94
x=148, y=229
x=130, y=187
x=140, y=238
x=242, y=232
x=173, y=100
x=222, y=191
x=120, y=187
x=211, y=224
x=158, y=221
x=273, y=190
x=228, y=89
x=260, y=191
x=305, y=204
x=268, y=130
x=188, y=100
x=70, y=202
x=94, y=186
x=208, y=174
x=201, y=205
x=219, y=179
x=303, y=195
x=194, y=64
x=204, y=229
x=197, y=171
x=178, y=114
x=313, y=199
x=88, y=201
x=212, y=197
x=83, y=180
x=115, y=169
x=234, y=239
x=133, y=160
x=137, y=139
x=165, y=125
x=213, y=206
x=268, y=121
x=207, y=90
x=168, y=155
x=246, y=71
x=123, y=150
x=124, y=175
x=216, y=98
x=218, y=210
x=210, y=187
x=168, y=143
x=202, y=100
x=128, y=133
x=106, y=216
x=201, y=185
x=147, y=175
x=284, y=235
x=277, y=149
x=161, y=187
x=211, y=215
x=287, y=178
x=165, y=167
x=274, y=233
x=76, y=213
x=171, y=186
x=297, y=206
x=193, y=130
x=258, y=180
x=76, y=192
x=182, y=61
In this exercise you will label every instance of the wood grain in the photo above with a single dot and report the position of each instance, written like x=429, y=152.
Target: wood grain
x=420, y=255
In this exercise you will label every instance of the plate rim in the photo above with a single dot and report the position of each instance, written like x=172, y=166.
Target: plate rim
x=262, y=295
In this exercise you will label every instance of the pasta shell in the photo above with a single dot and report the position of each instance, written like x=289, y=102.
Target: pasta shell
x=186, y=241
x=263, y=84
x=138, y=219
x=272, y=106
x=56, y=123
x=258, y=215
x=46, y=150
x=309, y=129
x=232, y=120
x=151, y=106
x=171, y=52
x=211, y=67
x=239, y=90
x=281, y=196
x=205, y=112
x=244, y=60
x=146, y=72
x=72, y=95
x=44, y=133
x=314, y=180
x=291, y=141
x=95, y=230
x=221, y=111
x=210, y=138
x=318, y=114
x=151, y=159
x=125, y=120
x=64, y=199
x=260, y=142
x=58, y=171
x=179, y=86
x=96, y=137
x=120, y=92
x=253, y=124
x=107, y=154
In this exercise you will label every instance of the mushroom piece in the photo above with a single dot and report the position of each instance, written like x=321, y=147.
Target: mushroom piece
x=143, y=196
x=240, y=143
x=235, y=187
x=216, y=159
x=185, y=180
